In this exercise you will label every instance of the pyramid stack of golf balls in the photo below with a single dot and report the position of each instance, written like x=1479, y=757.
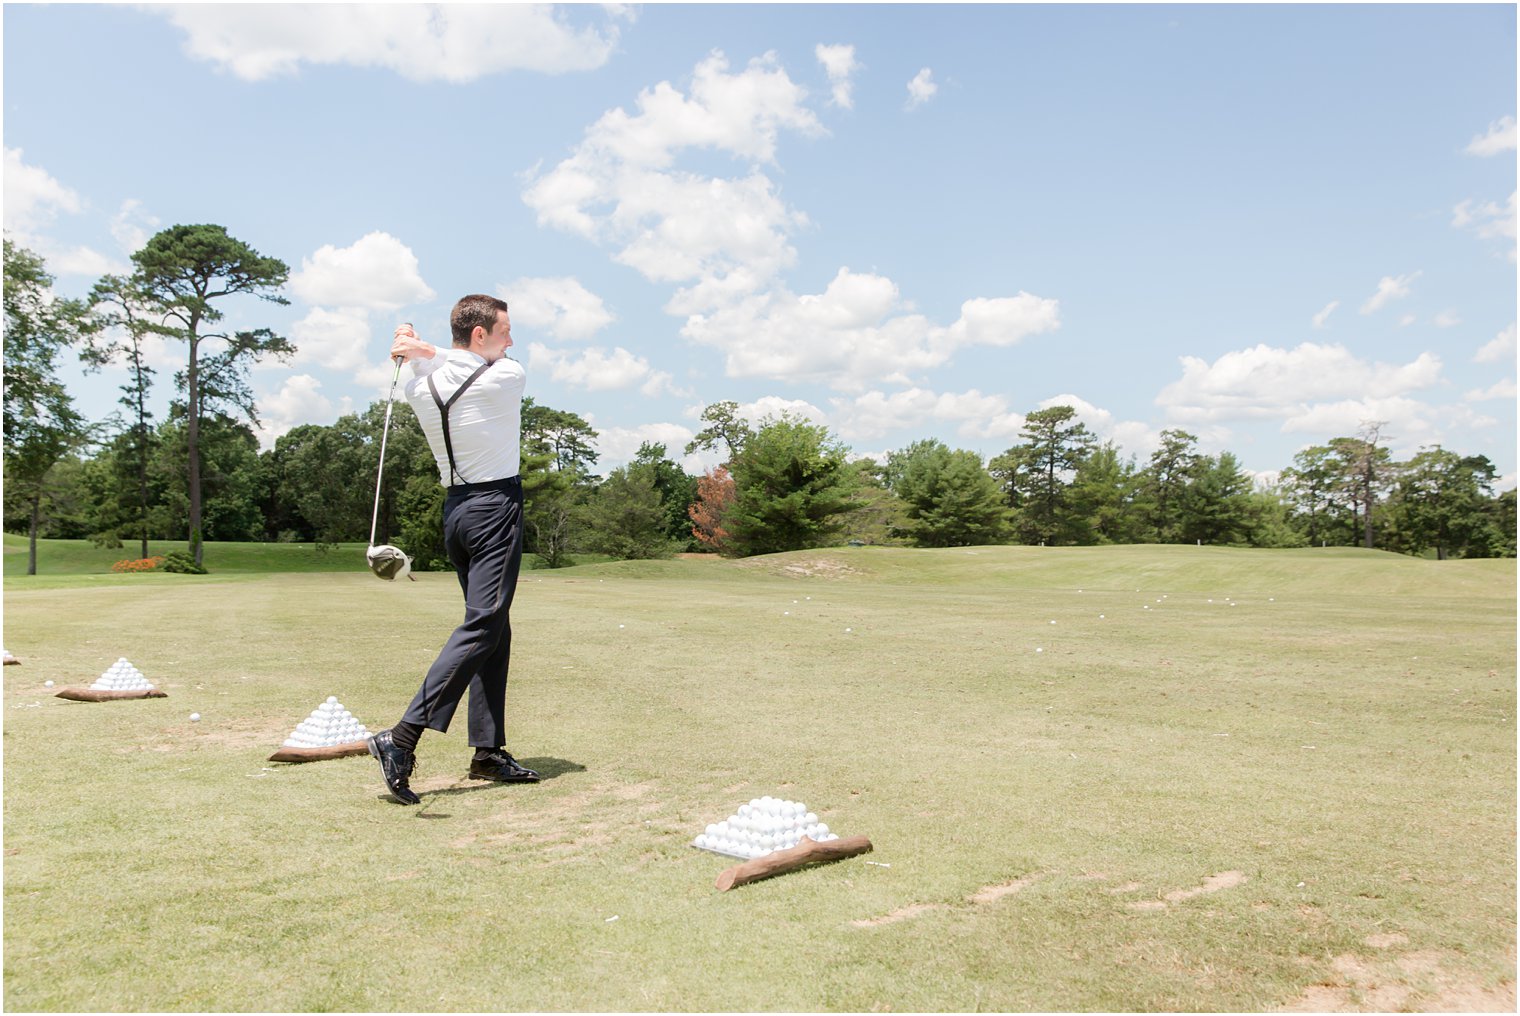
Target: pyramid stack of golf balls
x=121, y=676
x=328, y=725
x=763, y=825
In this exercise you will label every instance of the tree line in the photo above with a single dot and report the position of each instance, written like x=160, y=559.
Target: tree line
x=784, y=483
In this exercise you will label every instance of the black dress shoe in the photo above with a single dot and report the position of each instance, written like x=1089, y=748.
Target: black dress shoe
x=396, y=766
x=502, y=768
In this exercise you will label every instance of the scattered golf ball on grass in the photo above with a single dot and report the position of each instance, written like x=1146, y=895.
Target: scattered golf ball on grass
x=195, y=717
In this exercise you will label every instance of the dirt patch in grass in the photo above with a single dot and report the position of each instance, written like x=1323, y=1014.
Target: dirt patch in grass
x=806, y=568
x=1212, y=884
x=568, y=826
x=900, y=914
x=1420, y=981
x=983, y=896
x=992, y=893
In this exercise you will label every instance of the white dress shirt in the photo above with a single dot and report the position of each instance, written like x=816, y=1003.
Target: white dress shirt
x=485, y=425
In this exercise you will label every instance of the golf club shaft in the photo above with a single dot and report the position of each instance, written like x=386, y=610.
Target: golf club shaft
x=385, y=434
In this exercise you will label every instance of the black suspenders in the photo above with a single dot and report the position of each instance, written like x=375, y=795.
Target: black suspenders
x=443, y=411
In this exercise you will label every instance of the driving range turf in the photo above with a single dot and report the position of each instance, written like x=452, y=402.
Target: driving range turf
x=1127, y=778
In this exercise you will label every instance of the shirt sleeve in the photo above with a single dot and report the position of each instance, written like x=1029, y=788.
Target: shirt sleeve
x=422, y=366
x=511, y=376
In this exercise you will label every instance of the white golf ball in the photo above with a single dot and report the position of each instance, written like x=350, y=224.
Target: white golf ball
x=47, y=684
x=195, y=717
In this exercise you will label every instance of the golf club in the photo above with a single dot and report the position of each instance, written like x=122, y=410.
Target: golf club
x=387, y=562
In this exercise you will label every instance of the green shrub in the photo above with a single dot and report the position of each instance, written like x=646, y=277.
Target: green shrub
x=180, y=561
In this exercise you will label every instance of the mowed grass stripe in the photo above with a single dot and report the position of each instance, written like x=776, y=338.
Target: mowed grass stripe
x=1336, y=751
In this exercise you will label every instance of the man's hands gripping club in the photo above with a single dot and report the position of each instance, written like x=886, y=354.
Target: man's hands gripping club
x=406, y=345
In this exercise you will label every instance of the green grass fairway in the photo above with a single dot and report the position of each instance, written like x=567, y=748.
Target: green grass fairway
x=74, y=563
x=1130, y=778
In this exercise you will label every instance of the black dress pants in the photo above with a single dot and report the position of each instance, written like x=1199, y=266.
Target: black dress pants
x=482, y=531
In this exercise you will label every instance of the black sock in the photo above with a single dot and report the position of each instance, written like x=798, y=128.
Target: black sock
x=406, y=735
x=481, y=754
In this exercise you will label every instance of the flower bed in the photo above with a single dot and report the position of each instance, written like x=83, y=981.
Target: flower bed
x=143, y=564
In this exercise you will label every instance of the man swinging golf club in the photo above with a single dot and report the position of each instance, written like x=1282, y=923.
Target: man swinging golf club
x=469, y=402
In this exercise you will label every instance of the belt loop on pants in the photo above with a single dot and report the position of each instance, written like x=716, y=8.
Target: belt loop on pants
x=511, y=483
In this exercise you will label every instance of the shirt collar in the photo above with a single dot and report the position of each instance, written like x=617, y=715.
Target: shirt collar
x=470, y=353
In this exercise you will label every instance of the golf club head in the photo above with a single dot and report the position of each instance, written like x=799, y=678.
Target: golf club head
x=389, y=563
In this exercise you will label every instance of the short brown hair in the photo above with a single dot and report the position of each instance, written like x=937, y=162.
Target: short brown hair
x=474, y=311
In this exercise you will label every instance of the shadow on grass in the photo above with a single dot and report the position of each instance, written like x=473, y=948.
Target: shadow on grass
x=552, y=768
x=547, y=768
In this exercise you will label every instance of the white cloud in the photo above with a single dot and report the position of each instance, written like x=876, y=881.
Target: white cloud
x=775, y=407
x=299, y=400
x=1447, y=319
x=726, y=239
x=1266, y=382
x=133, y=226
x=1410, y=422
x=561, y=306
x=921, y=89
x=1500, y=347
x=422, y=42
x=1407, y=320
x=347, y=286
x=875, y=414
x=79, y=260
x=33, y=200
x=597, y=370
x=1488, y=220
x=377, y=272
x=1504, y=389
x=616, y=446
x=620, y=186
x=1132, y=436
x=335, y=338
x=33, y=197
x=840, y=64
x=1002, y=321
x=1389, y=288
x=725, y=233
x=853, y=333
x=1324, y=315
x=1499, y=139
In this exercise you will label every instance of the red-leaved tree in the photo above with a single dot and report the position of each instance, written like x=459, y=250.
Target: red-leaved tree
x=715, y=493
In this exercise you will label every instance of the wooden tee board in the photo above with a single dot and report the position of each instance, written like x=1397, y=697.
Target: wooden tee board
x=779, y=862
x=320, y=754
x=95, y=695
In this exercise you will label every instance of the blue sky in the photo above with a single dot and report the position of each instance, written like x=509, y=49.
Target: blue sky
x=1260, y=224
